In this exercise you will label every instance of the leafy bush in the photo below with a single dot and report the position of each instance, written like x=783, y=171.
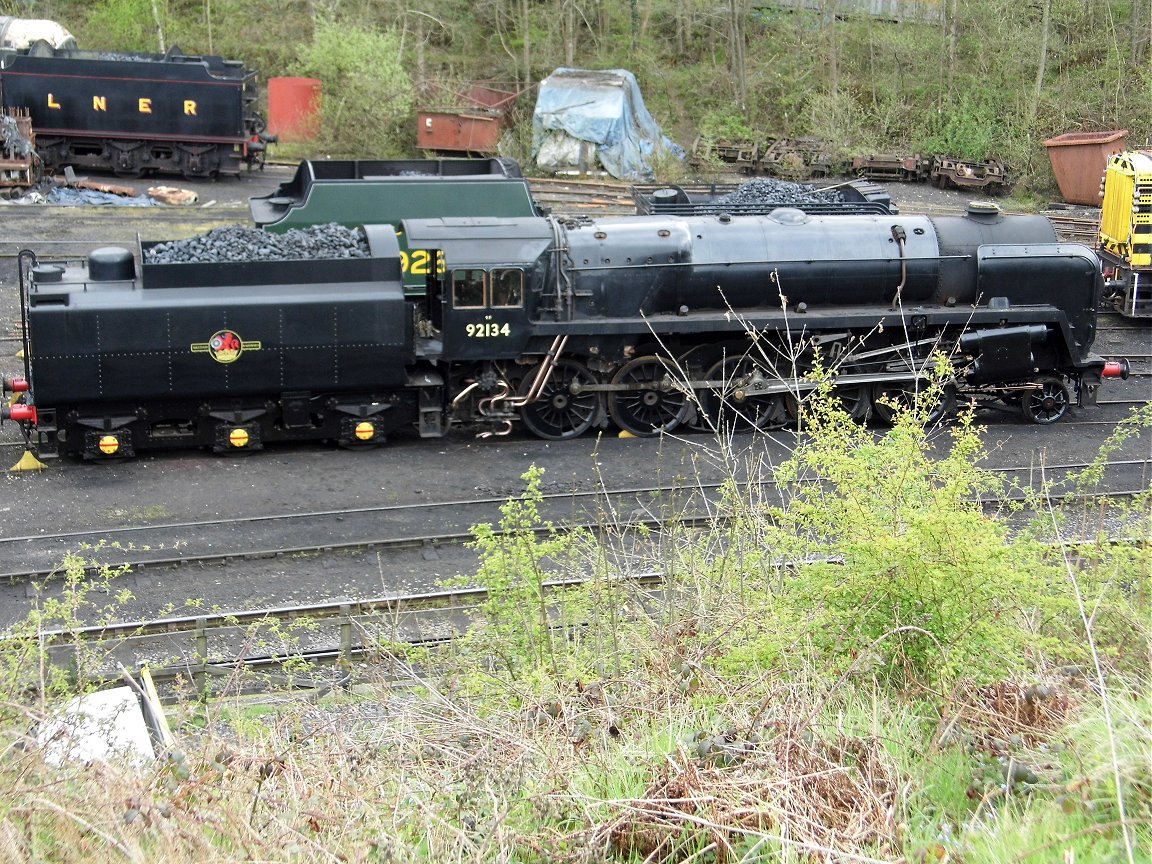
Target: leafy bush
x=513, y=627
x=367, y=97
x=128, y=25
x=898, y=570
x=727, y=126
x=968, y=130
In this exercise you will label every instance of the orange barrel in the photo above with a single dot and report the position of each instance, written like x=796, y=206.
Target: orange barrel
x=294, y=108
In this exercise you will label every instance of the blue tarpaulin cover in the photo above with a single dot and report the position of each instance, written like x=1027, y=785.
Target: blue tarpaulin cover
x=581, y=114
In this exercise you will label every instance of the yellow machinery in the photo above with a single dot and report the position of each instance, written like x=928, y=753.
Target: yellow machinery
x=1126, y=231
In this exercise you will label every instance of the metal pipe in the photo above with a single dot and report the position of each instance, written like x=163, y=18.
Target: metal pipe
x=900, y=236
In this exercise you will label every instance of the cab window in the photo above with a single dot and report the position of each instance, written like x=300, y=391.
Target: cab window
x=467, y=289
x=507, y=288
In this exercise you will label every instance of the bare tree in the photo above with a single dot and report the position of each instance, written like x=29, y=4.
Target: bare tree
x=1042, y=61
x=158, y=19
x=737, y=10
x=1141, y=30
x=952, y=29
x=829, y=13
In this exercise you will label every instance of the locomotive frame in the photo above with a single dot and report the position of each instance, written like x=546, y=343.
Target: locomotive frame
x=719, y=368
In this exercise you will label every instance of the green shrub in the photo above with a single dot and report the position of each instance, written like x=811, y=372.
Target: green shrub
x=367, y=97
x=899, y=570
x=513, y=627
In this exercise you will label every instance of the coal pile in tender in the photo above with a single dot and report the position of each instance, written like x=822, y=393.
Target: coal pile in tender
x=234, y=243
x=779, y=193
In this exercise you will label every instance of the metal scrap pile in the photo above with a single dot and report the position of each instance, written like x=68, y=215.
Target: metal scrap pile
x=16, y=145
x=234, y=243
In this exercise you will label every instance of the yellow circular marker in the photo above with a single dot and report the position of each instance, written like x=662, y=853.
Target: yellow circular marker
x=365, y=430
x=109, y=444
x=238, y=437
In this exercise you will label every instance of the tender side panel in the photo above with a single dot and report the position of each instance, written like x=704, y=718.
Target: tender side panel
x=117, y=345
x=125, y=99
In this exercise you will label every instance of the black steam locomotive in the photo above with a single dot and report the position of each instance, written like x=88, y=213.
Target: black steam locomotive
x=561, y=325
x=135, y=113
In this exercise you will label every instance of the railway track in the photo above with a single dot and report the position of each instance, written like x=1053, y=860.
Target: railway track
x=319, y=532
x=570, y=197
x=214, y=647
x=228, y=652
x=1071, y=229
x=389, y=530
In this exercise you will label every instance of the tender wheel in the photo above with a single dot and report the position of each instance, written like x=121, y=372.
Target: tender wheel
x=650, y=408
x=886, y=398
x=1047, y=402
x=558, y=413
x=735, y=406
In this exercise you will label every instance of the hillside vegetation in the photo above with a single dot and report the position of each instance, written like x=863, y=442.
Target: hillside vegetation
x=976, y=79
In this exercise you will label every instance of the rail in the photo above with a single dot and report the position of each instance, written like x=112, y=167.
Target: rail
x=339, y=632
x=198, y=647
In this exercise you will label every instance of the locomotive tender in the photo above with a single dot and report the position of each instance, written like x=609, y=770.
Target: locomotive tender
x=134, y=113
x=561, y=325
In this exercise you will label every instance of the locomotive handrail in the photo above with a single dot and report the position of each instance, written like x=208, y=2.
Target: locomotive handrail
x=25, y=277
x=563, y=276
x=900, y=236
x=584, y=268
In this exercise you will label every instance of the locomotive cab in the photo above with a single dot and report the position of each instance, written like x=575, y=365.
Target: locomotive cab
x=483, y=302
x=483, y=312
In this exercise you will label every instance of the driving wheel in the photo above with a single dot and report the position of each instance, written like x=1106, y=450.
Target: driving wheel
x=888, y=399
x=735, y=405
x=558, y=413
x=651, y=404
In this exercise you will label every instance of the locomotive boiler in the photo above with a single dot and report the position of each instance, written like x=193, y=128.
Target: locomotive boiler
x=561, y=325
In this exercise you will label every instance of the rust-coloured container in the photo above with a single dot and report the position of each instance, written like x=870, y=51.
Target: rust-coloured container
x=459, y=132
x=294, y=108
x=1079, y=160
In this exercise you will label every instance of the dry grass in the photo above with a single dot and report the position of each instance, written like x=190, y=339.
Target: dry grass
x=621, y=770
x=1009, y=710
x=826, y=799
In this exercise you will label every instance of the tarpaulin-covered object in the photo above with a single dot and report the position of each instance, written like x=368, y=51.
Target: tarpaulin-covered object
x=584, y=116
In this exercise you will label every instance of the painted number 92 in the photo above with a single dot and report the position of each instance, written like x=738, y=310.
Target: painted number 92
x=419, y=262
x=488, y=330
